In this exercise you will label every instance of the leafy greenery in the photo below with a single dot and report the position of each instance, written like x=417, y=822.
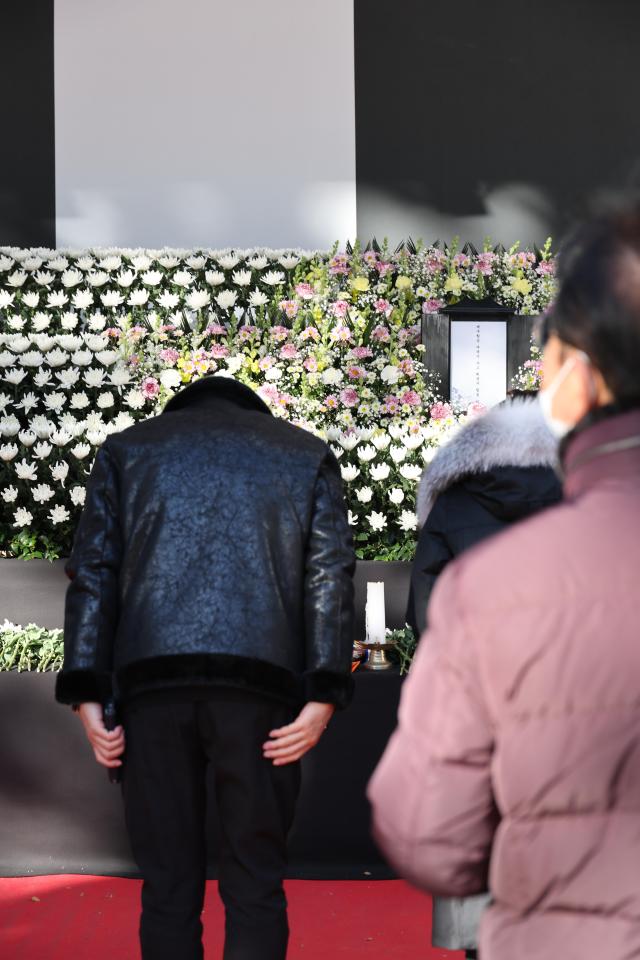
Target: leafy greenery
x=30, y=648
x=33, y=546
x=405, y=644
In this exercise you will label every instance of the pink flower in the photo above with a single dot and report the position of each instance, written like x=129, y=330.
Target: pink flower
x=216, y=330
x=289, y=352
x=331, y=402
x=269, y=392
x=279, y=334
x=411, y=398
x=476, y=409
x=370, y=257
x=461, y=260
x=150, y=387
x=382, y=334
x=356, y=373
x=391, y=405
x=432, y=306
x=133, y=361
x=290, y=307
x=113, y=332
x=362, y=353
x=310, y=364
x=383, y=268
x=246, y=332
x=266, y=362
x=340, y=308
x=218, y=350
x=382, y=306
x=484, y=263
x=440, y=411
x=305, y=291
x=407, y=367
x=169, y=355
x=546, y=268
x=349, y=397
x=435, y=261
x=168, y=327
x=341, y=334
x=310, y=333
x=339, y=264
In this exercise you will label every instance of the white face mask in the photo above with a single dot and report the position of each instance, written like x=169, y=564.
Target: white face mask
x=545, y=398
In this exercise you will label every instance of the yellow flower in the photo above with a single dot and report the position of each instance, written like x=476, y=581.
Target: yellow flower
x=520, y=285
x=255, y=367
x=454, y=284
x=403, y=283
x=361, y=284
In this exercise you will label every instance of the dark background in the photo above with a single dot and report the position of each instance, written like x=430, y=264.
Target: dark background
x=27, y=145
x=476, y=117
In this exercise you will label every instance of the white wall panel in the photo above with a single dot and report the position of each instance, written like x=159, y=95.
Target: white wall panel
x=204, y=122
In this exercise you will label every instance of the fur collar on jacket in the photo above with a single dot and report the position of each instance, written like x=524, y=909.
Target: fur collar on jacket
x=513, y=435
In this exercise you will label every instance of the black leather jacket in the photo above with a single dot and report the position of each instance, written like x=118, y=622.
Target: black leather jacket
x=213, y=547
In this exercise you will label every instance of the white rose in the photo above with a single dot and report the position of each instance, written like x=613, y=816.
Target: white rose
x=390, y=374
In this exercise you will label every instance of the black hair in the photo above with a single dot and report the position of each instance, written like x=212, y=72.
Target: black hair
x=597, y=308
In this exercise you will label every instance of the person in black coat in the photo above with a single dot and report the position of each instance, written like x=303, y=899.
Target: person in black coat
x=498, y=469
x=211, y=593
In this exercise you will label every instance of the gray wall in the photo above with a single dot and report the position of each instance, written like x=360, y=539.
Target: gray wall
x=204, y=122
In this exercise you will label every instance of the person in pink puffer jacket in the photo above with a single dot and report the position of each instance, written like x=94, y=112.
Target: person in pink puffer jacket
x=516, y=761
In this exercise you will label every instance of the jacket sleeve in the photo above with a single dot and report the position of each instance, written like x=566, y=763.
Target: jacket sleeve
x=91, y=609
x=433, y=810
x=328, y=600
x=432, y=555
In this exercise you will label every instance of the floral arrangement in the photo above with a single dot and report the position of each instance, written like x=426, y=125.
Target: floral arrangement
x=530, y=374
x=91, y=342
x=30, y=648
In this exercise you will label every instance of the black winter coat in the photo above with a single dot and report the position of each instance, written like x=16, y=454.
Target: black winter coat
x=497, y=470
x=213, y=547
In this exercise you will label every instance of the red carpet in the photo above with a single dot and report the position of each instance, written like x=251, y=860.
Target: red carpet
x=95, y=918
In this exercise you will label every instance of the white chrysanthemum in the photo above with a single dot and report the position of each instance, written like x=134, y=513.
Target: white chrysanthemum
x=289, y=262
x=112, y=298
x=125, y=278
x=97, y=322
x=273, y=374
x=97, y=278
x=234, y=364
x=54, y=402
x=242, y=278
x=15, y=376
x=97, y=437
x=59, y=471
x=96, y=343
x=28, y=403
x=68, y=377
x=364, y=494
x=105, y=401
x=348, y=441
x=26, y=470
x=226, y=299
x=22, y=517
x=377, y=521
x=77, y=495
x=138, y=298
x=84, y=263
x=69, y=320
x=32, y=358
x=196, y=262
x=410, y=471
x=81, y=358
x=82, y=299
x=31, y=299
x=6, y=358
x=41, y=321
x=43, y=378
x=57, y=299
x=18, y=277
x=396, y=430
x=107, y=357
x=170, y=263
x=380, y=441
x=9, y=494
x=380, y=471
x=43, y=448
x=258, y=299
x=27, y=438
x=366, y=453
x=119, y=376
x=5, y=401
x=214, y=278
x=198, y=299
x=81, y=451
x=71, y=278
x=57, y=358
x=349, y=472
x=258, y=262
x=135, y=399
x=152, y=278
x=408, y=520
x=6, y=299
x=123, y=421
x=59, y=264
x=42, y=341
x=8, y=452
x=61, y=437
x=170, y=379
x=9, y=426
x=365, y=434
x=141, y=261
x=42, y=493
x=59, y=515
x=17, y=342
x=16, y=322
x=43, y=278
x=182, y=278
x=229, y=261
x=398, y=454
x=42, y=427
x=273, y=278
x=168, y=300
x=413, y=440
x=111, y=263
x=428, y=453
x=352, y=518
x=396, y=495
x=79, y=401
x=94, y=378
x=338, y=452
x=70, y=342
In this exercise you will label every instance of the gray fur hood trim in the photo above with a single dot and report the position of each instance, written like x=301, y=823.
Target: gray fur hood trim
x=513, y=435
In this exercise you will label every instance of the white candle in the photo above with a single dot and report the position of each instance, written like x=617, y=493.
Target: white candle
x=375, y=615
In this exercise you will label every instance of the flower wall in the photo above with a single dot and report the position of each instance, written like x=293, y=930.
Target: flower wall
x=91, y=342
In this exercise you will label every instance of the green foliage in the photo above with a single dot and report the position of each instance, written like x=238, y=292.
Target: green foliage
x=405, y=644
x=33, y=546
x=30, y=648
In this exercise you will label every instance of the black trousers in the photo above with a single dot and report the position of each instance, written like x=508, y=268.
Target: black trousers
x=181, y=751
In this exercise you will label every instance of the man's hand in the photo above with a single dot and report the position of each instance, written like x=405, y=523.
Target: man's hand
x=288, y=744
x=107, y=745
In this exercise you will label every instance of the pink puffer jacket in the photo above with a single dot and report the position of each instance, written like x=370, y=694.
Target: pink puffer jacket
x=518, y=748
